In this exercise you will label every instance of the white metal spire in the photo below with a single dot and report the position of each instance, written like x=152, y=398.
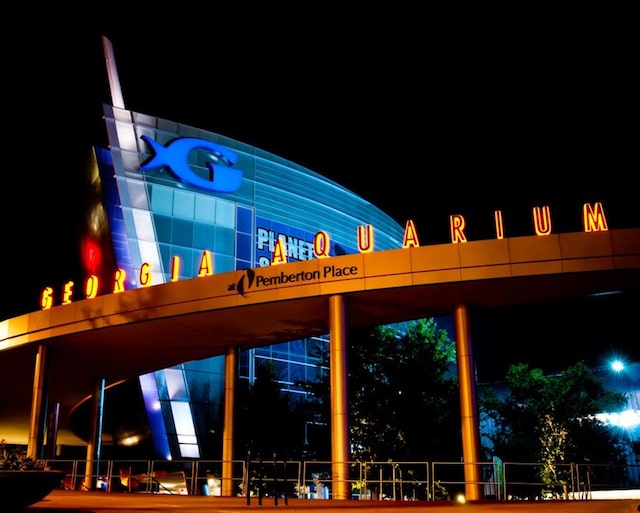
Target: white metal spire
x=117, y=99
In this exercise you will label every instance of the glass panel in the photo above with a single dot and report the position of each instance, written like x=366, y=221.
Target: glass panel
x=137, y=194
x=225, y=241
x=189, y=451
x=161, y=200
x=182, y=419
x=187, y=439
x=149, y=390
x=175, y=384
x=244, y=246
x=244, y=220
x=205, y=209
x=165, y=256
x=163, y=227
x=225, y=214
x=223, y=263
x=182, y=233
x=203, y=236
x=149, y=254
x=183, y=205
x=143, y=225
x=243, y=264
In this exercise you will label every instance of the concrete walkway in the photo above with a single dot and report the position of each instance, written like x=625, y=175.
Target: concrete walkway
x=60, y=501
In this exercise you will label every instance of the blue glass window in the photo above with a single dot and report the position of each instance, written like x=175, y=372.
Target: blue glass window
x=182, y=233
x=162, y=225
x=203, y=236
x=223, y=263
x=224, y=241
x=183, y=204
x=205, y=209
x=161, y=199
x=244, y=246
x=244, y=220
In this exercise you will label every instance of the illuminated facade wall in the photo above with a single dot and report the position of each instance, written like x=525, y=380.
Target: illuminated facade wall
x=164, y=212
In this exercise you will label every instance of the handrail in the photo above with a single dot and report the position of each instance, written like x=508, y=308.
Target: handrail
x=409, y=480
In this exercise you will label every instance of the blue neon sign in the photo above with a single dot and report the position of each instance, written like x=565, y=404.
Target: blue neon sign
x=174, y=156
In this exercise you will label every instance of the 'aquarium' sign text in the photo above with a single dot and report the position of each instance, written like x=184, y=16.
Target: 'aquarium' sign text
x=593, y=220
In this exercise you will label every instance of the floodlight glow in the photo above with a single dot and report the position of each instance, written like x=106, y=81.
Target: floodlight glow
x=130, y=440
x=629, y=419
x=617, y=365
x=626, y=419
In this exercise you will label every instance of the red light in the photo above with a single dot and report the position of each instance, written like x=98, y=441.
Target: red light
x=91, y=256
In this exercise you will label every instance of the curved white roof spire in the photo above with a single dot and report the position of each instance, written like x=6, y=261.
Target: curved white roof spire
x=117, y=100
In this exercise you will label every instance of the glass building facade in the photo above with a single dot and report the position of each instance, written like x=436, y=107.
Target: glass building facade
x=161, y=204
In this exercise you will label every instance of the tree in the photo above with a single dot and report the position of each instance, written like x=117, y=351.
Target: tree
x=550, y=419
x=402, y=393
x=266, y=423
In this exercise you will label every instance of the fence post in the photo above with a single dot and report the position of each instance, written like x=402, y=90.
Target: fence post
x=275, y=481
x=245, y=479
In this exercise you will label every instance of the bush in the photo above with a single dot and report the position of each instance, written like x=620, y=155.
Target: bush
x=16, y=459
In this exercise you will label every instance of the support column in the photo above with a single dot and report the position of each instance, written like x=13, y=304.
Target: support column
x=468, y=406
x=340, y=452
x=52, y=431
x=95, y=435
x=39, y=401
x=230, y=380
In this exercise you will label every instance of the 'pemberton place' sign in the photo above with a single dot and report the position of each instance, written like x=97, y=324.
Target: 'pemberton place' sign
x=593, y=220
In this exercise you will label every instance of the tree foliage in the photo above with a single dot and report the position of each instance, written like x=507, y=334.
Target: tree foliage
x=550, y=419
x=402, y=393
x=266, y=424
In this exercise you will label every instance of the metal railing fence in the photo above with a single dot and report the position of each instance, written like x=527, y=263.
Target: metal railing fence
x=369, y=480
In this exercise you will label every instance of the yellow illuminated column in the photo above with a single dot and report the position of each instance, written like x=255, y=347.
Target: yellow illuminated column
x=230, y=379
x=339, y=412
x=38, y=403
x=468, y=412
x=95, y=435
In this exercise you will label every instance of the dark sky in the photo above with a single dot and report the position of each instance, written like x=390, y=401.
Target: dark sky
x=422, y=120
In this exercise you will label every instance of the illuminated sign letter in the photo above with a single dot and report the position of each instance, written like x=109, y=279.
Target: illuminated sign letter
x=46, y=299
x=410, y=239
x=542, y=220
x=145, y=276
x=118, y=282
x=456, y=225
x=91, y=287
x=175, y=268
x=321, y=244
x=206, y=267
x=593, y=219
x=279, y=252
x=67, y=293
x=365, y=238
x=497, y=215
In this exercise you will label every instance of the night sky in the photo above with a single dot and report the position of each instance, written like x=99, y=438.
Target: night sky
x=421, y=123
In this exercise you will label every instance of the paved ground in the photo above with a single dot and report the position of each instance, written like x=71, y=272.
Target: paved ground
x=60, y=501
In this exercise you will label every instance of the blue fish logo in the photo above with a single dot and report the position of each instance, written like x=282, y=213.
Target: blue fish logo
x=174, y=156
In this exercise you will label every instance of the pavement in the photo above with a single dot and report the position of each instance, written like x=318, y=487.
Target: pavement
x=63, y=501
